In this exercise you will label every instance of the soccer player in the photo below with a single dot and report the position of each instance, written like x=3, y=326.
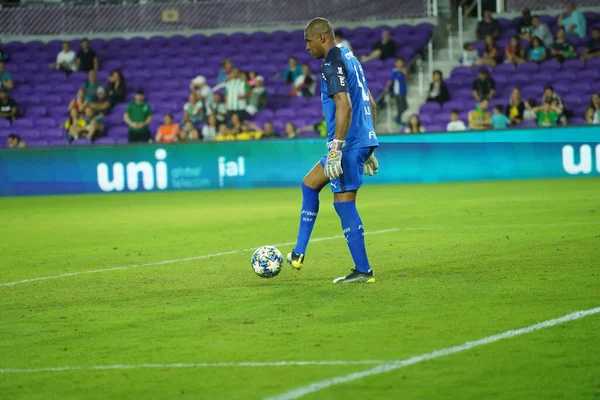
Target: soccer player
x=349, y=111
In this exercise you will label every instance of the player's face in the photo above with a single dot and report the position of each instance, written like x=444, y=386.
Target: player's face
x=313, y=45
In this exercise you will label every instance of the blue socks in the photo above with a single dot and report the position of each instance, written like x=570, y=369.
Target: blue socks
x=308, y=217
x=354, y=233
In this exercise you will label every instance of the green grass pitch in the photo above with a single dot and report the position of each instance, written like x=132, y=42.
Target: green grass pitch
x=466, y=261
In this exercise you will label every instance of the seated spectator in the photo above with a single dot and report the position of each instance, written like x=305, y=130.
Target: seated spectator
x=537, y=52
x=573, y=21
x=6, y=79
x=549, y=95
x=515, y=107
x=488, y=27
x=383, y=49
x=168, y=132
x=491, y=53
x=258, y=96
x=455, y=124
x=203, y=92
x=235, y=124
x=591, y=116
x=292, y=72
x=479, y=118
x=91, y=86
x=116, y=88
x=236, y=93
x=218, y=109
x=65, y=60
x=224, y=134
x=138, y=116
x=305, y=84
x=268, y=132
x=224, y=71
x=290, y=131
x=595, y=102
x=75, y=125
x=193, y=110
x=484, y=87
x=94, y=124
x=9, y=109
x=79, y=103
x=101, y=105
x=529, y=113
x=562, y=116
x=398, y=88
x=525, y=25
x=542, y=32
x=561, y=50
x=210, y=130
x=15, y=141
x=470, y=55
x=499, y=120
x=438, y=91
x=339, y=39
x=547, y=115
x=252, y=79
x=189, y=133
x=320, y=127
x=414, y=125
x=513, y=52
x=592, y=48
x=87, y=60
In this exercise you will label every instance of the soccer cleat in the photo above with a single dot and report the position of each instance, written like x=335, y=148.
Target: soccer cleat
x=356, y=276
x=295, y=260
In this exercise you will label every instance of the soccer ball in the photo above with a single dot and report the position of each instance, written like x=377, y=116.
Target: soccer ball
x=267, y=261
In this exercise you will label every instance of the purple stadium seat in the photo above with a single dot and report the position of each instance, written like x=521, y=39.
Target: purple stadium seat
x=36, y=112
x=4, y=123
x=550, y=66
x=430, y=107
x=528, y=124
x=504, y=68
x=37, y=143
x=118, y=131
x=22, y=123
x=58, y=142
x=105, y=141
x=81, y=142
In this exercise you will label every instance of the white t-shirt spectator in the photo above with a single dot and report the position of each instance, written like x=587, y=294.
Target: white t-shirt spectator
x=235, y=89
x=469, y=57
x=456, y=126
x=68, y=57
x=596, y=120
x=208, y=133
x=346, y=44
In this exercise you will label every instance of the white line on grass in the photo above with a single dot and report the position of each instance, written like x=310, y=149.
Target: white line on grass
x=157, y=263
x=390, y=366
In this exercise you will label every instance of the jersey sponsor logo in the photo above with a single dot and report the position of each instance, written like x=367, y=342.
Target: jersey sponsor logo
x=153, y=176
x=585, y=165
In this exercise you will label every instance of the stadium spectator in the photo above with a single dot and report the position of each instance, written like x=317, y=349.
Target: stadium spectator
x=339, y=39
x=488, y=26
x=320, y=127
x=305, y=84
x=236, y=93
x=210, y=129
x=116, y=88
x=252, y=79
x=224, y=134
x=573, y=21
x=203, y=92
x=268, y=132
x=561, y=50
x=499, y=120
x=491, y=53
x=235, y=124
x=15, y=141
x=188, y=133
x=87, y=60
x=549, y=95
x=138, y=116
x=547, y=115
x=75, y=125
x=529, y=113
x=101, y=105
x=9, y=109
x=290, y=131
x=590, y=116
x=479, y=118
x=414, y=125
x=592, y=48
x=398, y=88
x=513, y=52
x=6, y=79
x=258, y=96
x=168, y=132
x=4, y=55
x=438, y=91
x=537, y=52
x=224, y=71
x=79, y=103
x=525, y=25
x=484, y=87
x=455, y=124
x=541, y=31
x=65, y=59
x=595, y=102
x=383, y=49
x=94, y=124
x=515, y=107
x=292, y=72
x=218, y=109
x=193, y=110
x=91, y=86
x=470, y=55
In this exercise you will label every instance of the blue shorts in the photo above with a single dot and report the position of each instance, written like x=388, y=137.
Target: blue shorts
x=353, y=164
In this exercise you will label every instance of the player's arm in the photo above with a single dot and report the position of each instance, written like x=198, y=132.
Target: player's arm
x=343, y=115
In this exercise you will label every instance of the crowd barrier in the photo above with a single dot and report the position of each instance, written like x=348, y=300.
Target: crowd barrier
x=512, y=154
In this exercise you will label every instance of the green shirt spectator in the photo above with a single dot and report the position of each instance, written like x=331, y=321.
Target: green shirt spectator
x=138, y=115
x=547, y=117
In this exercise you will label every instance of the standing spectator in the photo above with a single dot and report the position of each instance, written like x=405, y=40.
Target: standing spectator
x=91, y=86
x=65, y=59
x=488, y=26
x=484, y=87
x=339, y=39
x=6, y=79
x=137, y=116
x=100, y=105
x=193, y=110
x=75, y=125
x=514, y=52
x=573, y=20
x=218, y=109
x=525, y=25
x=515, y=107
x=592, y=48
x=537, y=52
x=15, y=141
x=94, y=124
x=189, y=133
x=252, y=79
x=470, y=55
x=499, y=120
x=224, y=71
x=292, y=72
x=455, y=124
x=383, y=49
x=479, y=118
x=491, y=52
x=167, y=132
x=210, y=130
x=9, y=108
x=87, y=60
x=541, y=31
x=438, y=91
x=79, y=103
x=304, y=86
x=414, y=125
x=290, y=131
x=561, y=50
x=258, y=96
x=116, y=88
x=236, y=93
x=398, y=88
x=203, y=92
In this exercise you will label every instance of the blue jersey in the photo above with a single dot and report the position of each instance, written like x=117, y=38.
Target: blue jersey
x=342, y=72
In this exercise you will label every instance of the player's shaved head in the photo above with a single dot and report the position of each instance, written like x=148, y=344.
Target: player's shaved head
x=319, y=26
x=319, y=37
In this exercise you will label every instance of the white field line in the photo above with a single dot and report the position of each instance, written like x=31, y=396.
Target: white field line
x=157, y=263
x=390, y=366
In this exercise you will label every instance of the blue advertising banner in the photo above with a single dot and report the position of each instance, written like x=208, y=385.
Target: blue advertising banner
x=514, y=154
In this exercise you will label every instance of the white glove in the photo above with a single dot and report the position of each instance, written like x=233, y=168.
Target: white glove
x=371, y=166
x=333, y=164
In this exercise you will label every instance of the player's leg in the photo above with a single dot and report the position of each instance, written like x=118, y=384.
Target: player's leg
x=312, y=184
